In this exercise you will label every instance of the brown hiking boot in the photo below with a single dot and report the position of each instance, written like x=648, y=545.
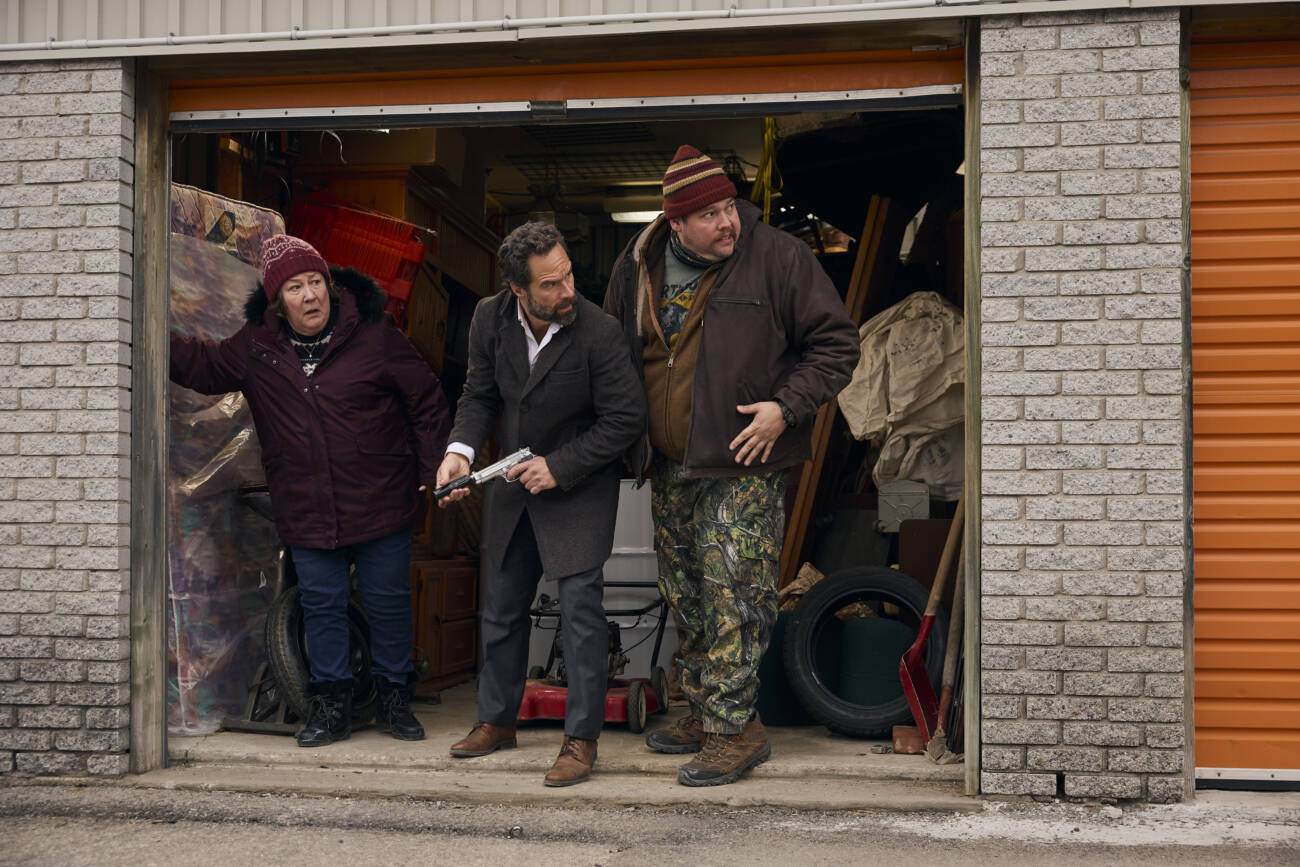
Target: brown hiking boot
x=573, y=764
x=684, y=736
x=484, y=738
x=725, y=757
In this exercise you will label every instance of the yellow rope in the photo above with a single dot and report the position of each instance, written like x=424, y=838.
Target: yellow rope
x=768, y=180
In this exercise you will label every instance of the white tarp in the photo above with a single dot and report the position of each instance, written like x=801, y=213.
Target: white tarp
x=908, y=393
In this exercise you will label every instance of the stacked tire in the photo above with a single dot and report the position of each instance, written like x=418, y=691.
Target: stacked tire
x=896, y=603
x=287, y=654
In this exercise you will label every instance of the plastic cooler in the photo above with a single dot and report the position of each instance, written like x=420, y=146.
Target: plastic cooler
x=388, y=249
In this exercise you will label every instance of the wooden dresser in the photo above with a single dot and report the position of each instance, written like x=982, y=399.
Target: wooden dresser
x=444, y=598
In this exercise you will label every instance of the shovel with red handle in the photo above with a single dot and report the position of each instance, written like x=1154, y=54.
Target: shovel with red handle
x=937, y=749
x=911, y=668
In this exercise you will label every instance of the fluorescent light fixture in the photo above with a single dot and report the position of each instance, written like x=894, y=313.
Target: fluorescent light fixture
x=633, y=216
x=633, y=209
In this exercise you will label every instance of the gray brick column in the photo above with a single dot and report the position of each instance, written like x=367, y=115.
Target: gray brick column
x=1082, y=549
x=65, y=351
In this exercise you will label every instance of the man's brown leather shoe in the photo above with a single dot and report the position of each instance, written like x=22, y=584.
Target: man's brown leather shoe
x=573, y=765
x=484, y=738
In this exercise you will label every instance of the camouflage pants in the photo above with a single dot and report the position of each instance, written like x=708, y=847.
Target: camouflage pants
x=719, y=546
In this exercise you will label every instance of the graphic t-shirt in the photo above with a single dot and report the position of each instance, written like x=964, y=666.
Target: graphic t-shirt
x=681, y=280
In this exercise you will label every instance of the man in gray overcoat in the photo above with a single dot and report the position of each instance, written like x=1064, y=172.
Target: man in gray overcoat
x=557, y=371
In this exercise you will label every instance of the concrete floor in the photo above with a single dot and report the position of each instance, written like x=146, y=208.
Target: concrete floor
x=810, y=768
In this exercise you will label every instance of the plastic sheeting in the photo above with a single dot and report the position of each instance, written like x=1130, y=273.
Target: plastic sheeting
x=221, y=554
x=908, y=393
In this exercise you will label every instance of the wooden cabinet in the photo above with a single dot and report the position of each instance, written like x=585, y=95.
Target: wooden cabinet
x=445, y=603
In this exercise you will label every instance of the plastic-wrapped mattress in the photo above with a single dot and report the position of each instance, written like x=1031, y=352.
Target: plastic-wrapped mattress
x=221, y=554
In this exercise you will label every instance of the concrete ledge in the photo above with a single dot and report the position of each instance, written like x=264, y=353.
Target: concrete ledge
x=801, y=752
x=603, y=790
x=810, y=768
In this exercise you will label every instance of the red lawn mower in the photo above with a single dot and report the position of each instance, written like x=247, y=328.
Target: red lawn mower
x=627, y=699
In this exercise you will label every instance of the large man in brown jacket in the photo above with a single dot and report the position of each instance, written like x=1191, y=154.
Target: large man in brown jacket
x=741, y=337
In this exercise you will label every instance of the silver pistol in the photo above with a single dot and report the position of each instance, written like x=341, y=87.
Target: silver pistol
x=500, y=468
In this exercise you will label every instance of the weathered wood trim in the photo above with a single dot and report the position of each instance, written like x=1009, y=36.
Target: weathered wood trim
x=974, y=508
x=149, y=426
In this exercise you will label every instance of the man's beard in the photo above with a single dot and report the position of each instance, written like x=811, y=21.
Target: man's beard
x=548, y=314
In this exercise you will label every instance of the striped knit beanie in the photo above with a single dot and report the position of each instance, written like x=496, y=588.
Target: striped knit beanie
x=692, y=181
x=283, y=256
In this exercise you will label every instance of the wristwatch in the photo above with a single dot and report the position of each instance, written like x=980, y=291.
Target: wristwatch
x=786, y=414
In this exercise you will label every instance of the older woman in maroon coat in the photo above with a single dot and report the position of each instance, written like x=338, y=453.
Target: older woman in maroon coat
x=352, y=424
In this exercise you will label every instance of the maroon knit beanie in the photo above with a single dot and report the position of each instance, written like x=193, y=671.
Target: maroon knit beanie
x=283, y=256
x=692, y=181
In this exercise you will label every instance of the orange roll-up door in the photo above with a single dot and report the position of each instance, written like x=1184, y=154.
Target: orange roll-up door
x=1245, y=200
x=807, y=72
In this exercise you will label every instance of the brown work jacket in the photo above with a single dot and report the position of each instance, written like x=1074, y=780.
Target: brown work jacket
x=766, y=324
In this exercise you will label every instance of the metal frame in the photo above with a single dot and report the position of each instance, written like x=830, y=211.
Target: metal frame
x=1247, y=775
x=443, y=114
x=340, y=117
x=925, y=96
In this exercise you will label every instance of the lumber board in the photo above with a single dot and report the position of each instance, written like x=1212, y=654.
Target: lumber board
x=872, y=242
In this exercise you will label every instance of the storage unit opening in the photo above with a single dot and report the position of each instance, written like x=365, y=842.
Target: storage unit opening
x=877, y=193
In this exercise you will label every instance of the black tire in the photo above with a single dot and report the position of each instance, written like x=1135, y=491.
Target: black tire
x=421, y=663
x=536, y=673
x=286, y=652
x=876, y=587
x=659, y=683
x=636, y=706
x=267, y=698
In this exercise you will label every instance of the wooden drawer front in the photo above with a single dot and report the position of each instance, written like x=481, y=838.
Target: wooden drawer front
x=458, y=640
x=445, y=594
x=459, y=593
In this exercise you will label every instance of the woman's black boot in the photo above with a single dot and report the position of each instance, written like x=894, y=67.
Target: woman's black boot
x=330, y=718
x=393, y=712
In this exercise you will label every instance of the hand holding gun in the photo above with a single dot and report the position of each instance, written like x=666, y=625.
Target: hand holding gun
x=500, y=468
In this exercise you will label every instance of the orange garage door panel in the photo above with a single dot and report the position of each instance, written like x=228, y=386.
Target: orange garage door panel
x=1245, y=166
x=786, y=73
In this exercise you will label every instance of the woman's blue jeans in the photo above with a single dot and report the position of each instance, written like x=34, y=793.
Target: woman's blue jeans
x=384, y=583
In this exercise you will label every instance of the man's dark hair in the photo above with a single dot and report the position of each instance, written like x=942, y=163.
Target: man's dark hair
x=530, y=239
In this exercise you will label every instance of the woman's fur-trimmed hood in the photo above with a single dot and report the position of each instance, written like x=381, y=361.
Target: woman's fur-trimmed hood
x=370, y=299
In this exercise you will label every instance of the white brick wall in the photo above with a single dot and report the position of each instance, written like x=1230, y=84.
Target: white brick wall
x=66, y=160
x=1083, y=486
x=1082, y=548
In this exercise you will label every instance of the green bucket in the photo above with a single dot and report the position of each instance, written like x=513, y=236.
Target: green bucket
x=870, y=651
x=777, y=704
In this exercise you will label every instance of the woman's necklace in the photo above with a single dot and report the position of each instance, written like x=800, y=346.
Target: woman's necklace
x=310, y=350
x=310, y=346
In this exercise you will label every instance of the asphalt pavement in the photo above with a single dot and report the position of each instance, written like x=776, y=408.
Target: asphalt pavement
x=108, y=823
x=232, y=798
